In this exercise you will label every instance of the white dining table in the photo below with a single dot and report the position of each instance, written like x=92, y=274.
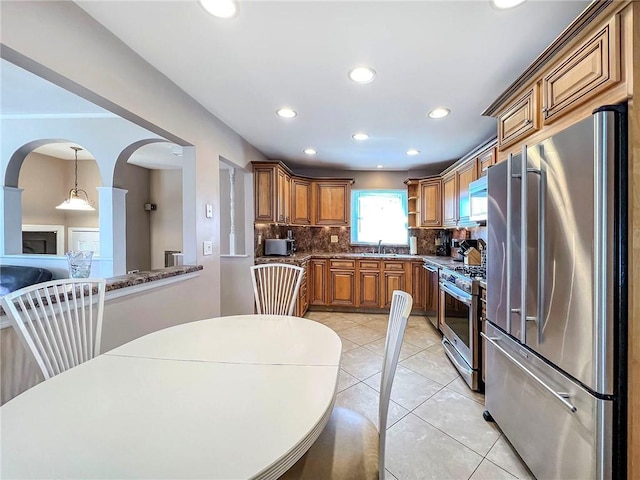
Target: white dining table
x=233, y=397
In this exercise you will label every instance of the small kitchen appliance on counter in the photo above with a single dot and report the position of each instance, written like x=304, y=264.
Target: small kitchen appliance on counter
x=279, y=246
x=442, y=244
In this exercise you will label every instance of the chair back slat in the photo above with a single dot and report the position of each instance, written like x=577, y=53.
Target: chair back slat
x=59, y=321
x=401, y=304
x=275, y=287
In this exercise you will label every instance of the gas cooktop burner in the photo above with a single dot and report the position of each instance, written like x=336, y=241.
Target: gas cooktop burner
x=472, y=271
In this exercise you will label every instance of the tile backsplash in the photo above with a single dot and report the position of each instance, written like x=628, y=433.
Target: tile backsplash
x=318, y=239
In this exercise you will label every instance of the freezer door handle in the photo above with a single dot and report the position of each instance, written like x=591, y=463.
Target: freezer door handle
x=560, y=396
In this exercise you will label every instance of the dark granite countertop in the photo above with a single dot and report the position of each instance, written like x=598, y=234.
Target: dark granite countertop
x=300, y=257
x=131, y=279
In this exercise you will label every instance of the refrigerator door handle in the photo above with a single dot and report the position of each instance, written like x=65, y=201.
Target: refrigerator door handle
x=524, y=191
x=509, y=248
x=560, y=396
x=524, y=318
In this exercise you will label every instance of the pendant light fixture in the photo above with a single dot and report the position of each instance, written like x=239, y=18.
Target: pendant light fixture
x=76, y=202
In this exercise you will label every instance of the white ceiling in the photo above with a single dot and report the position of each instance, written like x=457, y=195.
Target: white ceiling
x=458, y=54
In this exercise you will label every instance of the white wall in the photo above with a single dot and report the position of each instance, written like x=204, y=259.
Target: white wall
x=114, y=77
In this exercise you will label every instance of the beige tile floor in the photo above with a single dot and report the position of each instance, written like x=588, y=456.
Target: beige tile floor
x=436, y=430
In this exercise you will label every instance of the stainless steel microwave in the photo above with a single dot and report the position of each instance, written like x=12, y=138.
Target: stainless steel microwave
x=478, y=200
x=278, y=246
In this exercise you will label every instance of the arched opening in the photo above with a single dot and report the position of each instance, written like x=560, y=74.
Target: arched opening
x=46, y=176
x=151, y=173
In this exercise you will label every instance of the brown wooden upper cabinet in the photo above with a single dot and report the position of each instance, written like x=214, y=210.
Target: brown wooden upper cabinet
x=332, y=202
x=466, y=174
x=430, y=195
x=284, y=196
x=264, y=181
x=450, y=199
x=485, y=160
x=583, y=73
x=281, y=197
x=520, y=119
x=300, y=201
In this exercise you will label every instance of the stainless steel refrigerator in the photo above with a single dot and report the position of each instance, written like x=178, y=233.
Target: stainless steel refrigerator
x=557, y=300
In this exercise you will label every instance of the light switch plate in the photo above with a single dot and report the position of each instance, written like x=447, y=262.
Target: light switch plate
x=209, y=210
x=334, y=238
x=207, y=247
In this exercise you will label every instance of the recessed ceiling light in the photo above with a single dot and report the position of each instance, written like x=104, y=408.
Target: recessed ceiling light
x=379, y=166
x=362, y=74
x=309, y=151
x=360, y=136
x=286, y=113
x=220, y=8
x=439, y=112
x=413, y=151
x=503, y=4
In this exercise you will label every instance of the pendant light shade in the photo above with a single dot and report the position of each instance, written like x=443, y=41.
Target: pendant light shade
x=75, y=200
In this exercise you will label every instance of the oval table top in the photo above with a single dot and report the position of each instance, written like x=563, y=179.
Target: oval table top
x=224, y=398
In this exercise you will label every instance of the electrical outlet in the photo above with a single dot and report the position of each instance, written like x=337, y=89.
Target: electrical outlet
x=208, y=210
x=334, y=238
x=207, y=247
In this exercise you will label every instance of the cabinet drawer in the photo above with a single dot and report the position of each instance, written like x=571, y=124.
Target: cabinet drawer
x=584, y=73
x=343, y=264
x=369, y=265
x=520, y=119
x=394, y=266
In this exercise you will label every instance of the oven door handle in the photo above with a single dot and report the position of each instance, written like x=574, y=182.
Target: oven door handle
x=430, y=269
x=453, y=355
x=464, y=299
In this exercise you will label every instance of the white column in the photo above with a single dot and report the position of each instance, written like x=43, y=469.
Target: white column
x=113, y=231
x=11, y=221
x=232, y=211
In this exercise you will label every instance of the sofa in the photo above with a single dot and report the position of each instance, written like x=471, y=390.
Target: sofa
x=14, y=277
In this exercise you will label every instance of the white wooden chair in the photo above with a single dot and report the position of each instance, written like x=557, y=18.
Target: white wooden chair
x=275, y=287
x=59, y=321
x=350, y=446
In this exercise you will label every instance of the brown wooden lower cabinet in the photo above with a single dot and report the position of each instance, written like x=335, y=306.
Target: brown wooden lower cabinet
x=342, y=287
x=302, y=303
x=394, y=277
x=317, y=281
x=369, y=284
x=418, y=285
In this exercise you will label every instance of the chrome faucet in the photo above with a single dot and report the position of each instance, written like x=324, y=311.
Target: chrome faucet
x=379, y=247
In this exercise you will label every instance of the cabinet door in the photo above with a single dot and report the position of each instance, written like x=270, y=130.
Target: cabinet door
x=300, y=201
x=450, y=199
x=369, y=288
x=332, y=202
x=317, y=282
x=418, y=287
x=485, y=160
x=342, y=287
x=586, y=72
x=431, y=203
x=302, y=304
x=520, y=119
x=432, y=293
x=284, y=196
x=466, y=175
x=265, y=194
x=394, y=278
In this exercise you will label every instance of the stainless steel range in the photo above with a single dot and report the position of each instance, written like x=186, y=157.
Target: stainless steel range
x=460, y=322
